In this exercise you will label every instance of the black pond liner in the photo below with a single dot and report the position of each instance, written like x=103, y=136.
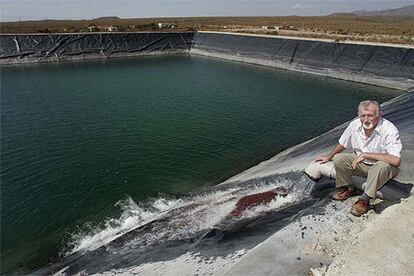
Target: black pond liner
x=382, y=65
x=385, y=63
x=227, y=237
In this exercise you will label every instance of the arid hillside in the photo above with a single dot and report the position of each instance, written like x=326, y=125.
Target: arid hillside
x=388, y=29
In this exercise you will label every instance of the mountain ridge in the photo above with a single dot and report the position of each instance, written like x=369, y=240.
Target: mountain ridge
x=403, y=11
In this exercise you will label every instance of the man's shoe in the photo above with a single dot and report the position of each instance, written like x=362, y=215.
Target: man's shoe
x=360, y=207
x=344, y=193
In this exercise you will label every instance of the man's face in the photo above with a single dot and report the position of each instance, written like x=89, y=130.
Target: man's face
x=369, y=116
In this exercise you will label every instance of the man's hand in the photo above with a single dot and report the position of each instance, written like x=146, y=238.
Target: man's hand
x=323, y=159
x=326, y=158
x=386, y=157
x=360, y=158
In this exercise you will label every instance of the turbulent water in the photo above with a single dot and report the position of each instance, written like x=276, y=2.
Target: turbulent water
x=205, y=223
x=93, y=150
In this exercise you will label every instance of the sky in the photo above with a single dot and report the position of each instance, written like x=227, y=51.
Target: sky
x=15, y=10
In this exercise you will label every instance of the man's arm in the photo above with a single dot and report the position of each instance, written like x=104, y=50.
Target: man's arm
x=386, y=157
x=323, y=159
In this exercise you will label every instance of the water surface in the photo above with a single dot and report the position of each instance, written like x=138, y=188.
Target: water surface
x=76, y=138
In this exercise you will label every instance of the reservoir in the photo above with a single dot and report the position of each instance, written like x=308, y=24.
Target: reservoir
x=85, y=145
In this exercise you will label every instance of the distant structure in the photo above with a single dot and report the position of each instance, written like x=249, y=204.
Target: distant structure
x=277, y=28
x=102, y=29
x=112, y=28
x=92, y=28
x=166, y=25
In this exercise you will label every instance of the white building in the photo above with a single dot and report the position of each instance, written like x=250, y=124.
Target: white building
x=166, y=25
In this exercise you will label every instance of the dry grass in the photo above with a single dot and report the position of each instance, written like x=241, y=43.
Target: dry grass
x=390, y=29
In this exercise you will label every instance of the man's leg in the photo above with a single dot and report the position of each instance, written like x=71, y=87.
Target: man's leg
x=343, y=168
x=379, y=174
x=344, y=171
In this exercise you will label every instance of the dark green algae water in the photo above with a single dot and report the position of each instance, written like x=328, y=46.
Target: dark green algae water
x=78, y=137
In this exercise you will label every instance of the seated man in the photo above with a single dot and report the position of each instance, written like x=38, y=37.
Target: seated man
x=376, y=147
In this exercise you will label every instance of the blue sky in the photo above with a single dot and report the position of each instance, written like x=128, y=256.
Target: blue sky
x=14, y=10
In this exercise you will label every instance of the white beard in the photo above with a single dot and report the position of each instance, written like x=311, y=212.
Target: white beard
x=368, y=126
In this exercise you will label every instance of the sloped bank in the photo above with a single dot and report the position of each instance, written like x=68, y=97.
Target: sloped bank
x=313, y=241
x=35, y=48
x=335, y=242
x=360, y=62
x=382, y=65
x=329, y=241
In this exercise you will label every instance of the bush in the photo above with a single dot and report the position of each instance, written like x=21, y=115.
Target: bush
x=71, y=29
x=191, y=29
x=272, y=33
x=45, y=30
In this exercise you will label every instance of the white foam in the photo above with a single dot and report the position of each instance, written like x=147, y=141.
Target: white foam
x=132, y=216
x=182, y=218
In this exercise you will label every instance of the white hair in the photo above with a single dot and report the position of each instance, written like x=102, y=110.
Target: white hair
x=365, y=104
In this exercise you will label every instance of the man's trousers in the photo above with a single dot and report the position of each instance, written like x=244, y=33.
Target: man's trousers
x=377, y=174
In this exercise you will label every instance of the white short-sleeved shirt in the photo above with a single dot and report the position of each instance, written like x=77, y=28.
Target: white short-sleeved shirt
x=384, y=139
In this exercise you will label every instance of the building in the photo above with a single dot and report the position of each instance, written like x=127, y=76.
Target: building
x=166, y=25
x=92, y=28
x=271, y=28
x=102, y=28
x=110, y=29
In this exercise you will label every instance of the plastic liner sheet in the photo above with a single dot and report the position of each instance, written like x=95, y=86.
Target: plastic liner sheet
x=56, y=47
x=229, y=234
x=399, y=110
x=380, y=65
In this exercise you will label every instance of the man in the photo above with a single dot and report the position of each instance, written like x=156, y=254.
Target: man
x=376, y=147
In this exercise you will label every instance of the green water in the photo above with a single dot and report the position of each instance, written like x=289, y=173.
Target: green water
x=78, y=137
